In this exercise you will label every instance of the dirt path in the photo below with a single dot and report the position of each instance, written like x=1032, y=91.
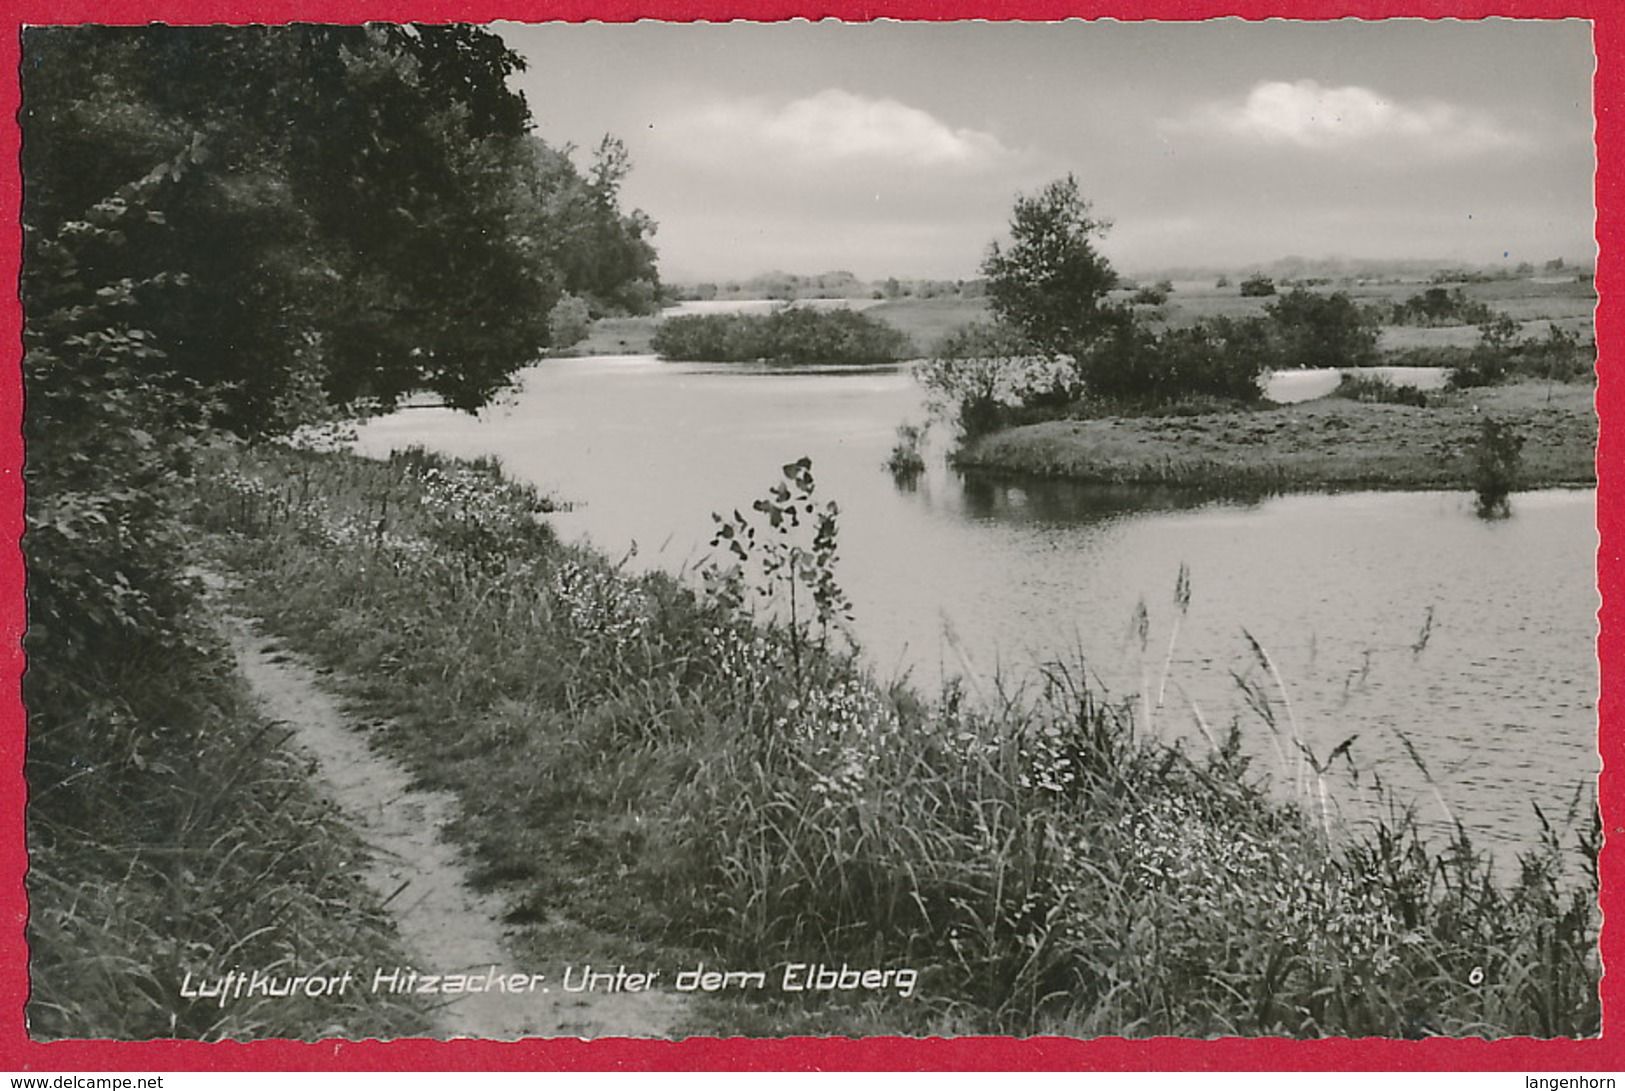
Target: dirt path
x=447, y=926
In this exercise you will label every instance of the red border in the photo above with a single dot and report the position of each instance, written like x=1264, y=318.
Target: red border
x=1113, y=1054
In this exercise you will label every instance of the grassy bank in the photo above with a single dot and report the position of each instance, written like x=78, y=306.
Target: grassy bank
x=661, y=767
x=1330, y=442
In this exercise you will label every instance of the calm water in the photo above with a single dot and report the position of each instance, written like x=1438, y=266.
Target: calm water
x=982, y=577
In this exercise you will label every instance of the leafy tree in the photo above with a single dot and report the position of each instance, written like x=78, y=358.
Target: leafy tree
x=1051, y=282
x=1314, y=330
x=247, y=228
x=603, y=255
x=361, y=213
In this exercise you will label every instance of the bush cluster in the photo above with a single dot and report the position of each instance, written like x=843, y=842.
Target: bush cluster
x=239, y=229
x=1221, y=358
x=1438, y=307
x=1499, y=357
x=1313, y=330
x=1357, y=387
x=988, y=377
x=801, y=336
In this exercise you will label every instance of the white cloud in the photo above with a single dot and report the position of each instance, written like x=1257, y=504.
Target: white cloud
x=1307, y=115
x=833, y=127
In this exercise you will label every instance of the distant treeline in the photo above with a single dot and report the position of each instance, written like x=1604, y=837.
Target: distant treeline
x=838, y=284
x=1308, y=272
x=1287, y=273
x=789, y=335
x=1438, y=307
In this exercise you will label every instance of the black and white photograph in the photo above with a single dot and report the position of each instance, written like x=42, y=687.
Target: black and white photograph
x=744, y=530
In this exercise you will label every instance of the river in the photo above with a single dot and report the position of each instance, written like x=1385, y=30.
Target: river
x=1383, y=613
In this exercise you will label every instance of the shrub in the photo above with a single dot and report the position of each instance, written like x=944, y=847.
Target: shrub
x=1440, y=307
x=789, y=335
x=966, y=392
x=1220, y=358
x=905, y=462
x=1497, y=460
x=568, y=322
x=1154, y=295
x=1358, y=387
x=1559, y=356
x=1484, y=366
x=1499, y=356
x=982, y=372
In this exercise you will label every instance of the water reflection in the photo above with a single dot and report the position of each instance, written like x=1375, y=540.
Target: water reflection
x=990, y=495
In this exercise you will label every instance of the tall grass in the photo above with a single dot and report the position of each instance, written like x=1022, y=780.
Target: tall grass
x=653, y=760
x=171, y=831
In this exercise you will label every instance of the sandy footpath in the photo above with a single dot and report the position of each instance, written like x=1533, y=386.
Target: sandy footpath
x=447, y=926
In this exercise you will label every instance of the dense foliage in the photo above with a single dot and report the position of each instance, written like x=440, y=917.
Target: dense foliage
x=1439, y=306
x=983, y=378
x=1309, y=329
x=327, y=213
x=239, y=230
x=787, y=335
x=1219, y=358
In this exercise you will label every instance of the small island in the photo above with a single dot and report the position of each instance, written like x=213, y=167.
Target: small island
x=1327, y=443
x=1083, y=377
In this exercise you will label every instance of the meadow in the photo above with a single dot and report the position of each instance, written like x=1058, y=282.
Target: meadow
x=1569, y=303
x=1332, y=442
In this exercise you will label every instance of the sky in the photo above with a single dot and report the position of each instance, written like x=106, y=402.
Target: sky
x=897, y=149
